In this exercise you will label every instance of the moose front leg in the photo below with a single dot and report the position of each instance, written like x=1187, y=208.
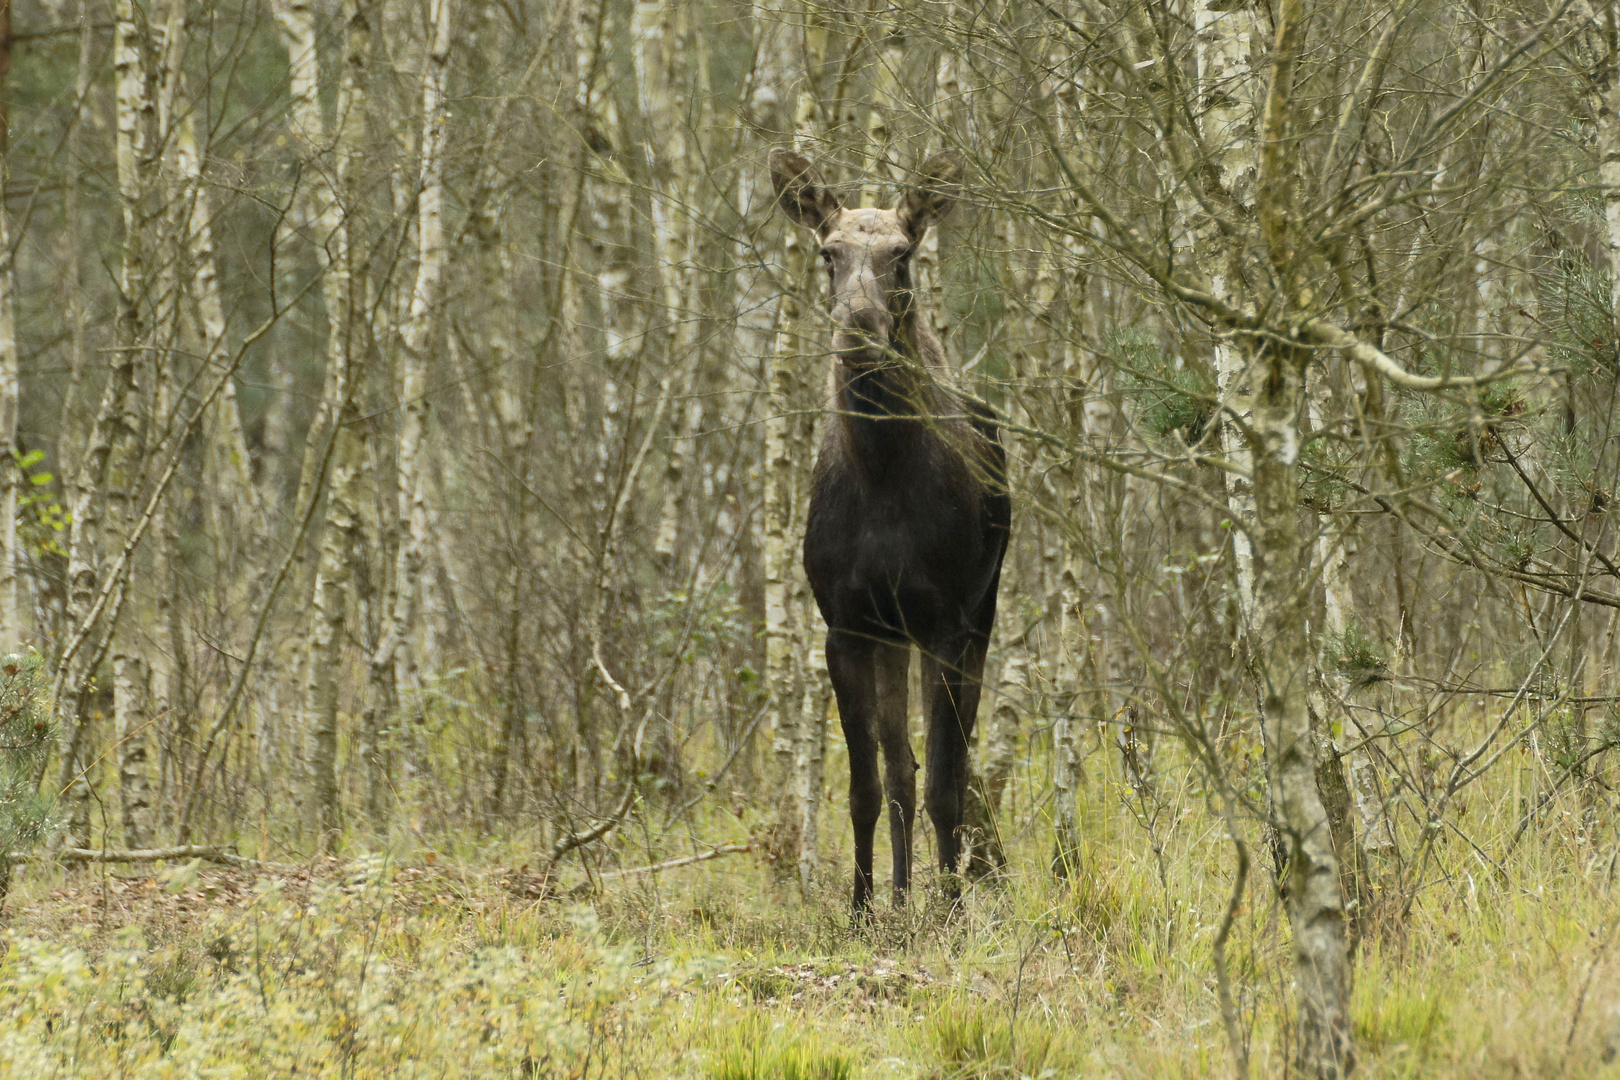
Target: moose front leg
x=850, y=667
x=890, y=666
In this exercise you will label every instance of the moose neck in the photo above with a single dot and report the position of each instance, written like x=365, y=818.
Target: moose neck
x=876, y=396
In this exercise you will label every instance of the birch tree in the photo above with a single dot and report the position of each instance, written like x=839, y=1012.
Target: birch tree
x=95, y=486
x=337, y=467
x=391, y=662
x=13, y=624
x=786, y=448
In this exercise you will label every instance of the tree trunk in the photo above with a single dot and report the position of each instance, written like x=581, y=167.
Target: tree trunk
x=1226, y=39
x=662, y=48
x=1282, y=584
x=345, y=365
x=1606, y=19
x=13, y=631
x=131, y=690
x=787, y=449
x=1281, y=649
x=105, y=470
x=1073, y=632
x=392, y=662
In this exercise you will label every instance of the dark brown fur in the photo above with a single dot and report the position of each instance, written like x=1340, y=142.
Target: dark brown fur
x=908, y=517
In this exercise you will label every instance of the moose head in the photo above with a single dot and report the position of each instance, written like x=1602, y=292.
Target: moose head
x=867, y=252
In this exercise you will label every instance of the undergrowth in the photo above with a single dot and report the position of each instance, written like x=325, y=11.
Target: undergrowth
x=411, y=964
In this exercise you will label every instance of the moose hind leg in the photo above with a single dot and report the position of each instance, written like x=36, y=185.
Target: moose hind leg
x=951, y=682
x=890, y=664
x=850, y=667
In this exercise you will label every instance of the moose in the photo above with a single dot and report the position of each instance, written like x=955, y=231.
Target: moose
x=908, y=518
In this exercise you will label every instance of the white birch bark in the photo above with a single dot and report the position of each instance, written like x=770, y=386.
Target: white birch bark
x=13, y=632
x=1281, y=642
x=74, y=217
x=1337, y=546
x=885, y=107
x=328, y=611
x=789, y=622
x=104, y=474
x=810, y=758
x=230, y=460
x=785, y=451
x=1074, y=605
x=663, y=47
x=131, y=692
x=315, y=209
x=391, y=663
x=1114, y=505
x=1225, y=34
x=607, y=203
x=1282, y=647
x=1603, y=17
x=957, y=123
x=320, y=201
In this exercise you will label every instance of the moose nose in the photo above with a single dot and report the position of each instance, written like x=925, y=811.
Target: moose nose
x=871, y=321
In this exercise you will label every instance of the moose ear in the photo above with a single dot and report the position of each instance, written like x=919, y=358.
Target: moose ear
x=800, y=191
x=933, y=192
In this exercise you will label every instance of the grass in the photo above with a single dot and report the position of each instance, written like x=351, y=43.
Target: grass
x=399, y=965
x=758, y=1048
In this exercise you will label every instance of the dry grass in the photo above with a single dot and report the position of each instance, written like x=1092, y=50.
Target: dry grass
x=396, y=966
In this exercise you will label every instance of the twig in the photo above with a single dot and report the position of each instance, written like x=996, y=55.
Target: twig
x=206, y=852
x=1223, y=980
x=585, y=888
x=569, y=842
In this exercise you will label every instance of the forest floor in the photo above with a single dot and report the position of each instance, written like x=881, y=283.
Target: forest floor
x=462, y=962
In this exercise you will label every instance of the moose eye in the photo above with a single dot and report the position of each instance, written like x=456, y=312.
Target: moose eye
x=826, y=257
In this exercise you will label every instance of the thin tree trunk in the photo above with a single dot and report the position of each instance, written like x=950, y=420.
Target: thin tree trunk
x=13, y=632
x=886, y=106
x=131, y=691
x=1074, y=603
x=391, y=663
x=1606, y=23
x=1282, y=646
x=1283, y=661
x=104, y=475
x=785, y=452
x=1226, y=40
x=662, y=47
x=343, y=522
x=316, y=207
x=810, y=758
x=613, y=252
